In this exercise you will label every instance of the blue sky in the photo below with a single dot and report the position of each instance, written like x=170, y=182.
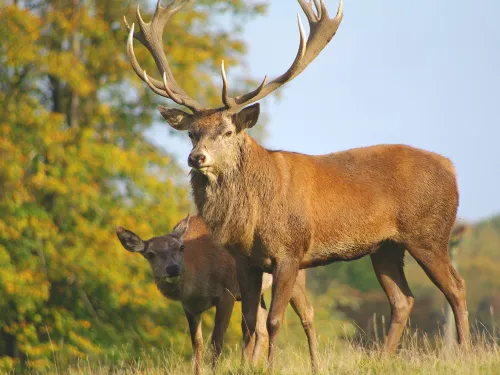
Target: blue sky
x=423, y=73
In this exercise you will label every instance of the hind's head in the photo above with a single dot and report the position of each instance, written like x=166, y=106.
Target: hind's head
x=165, y=254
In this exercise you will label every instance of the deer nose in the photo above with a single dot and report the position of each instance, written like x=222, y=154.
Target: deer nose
x=197, y=159
x=173, y=270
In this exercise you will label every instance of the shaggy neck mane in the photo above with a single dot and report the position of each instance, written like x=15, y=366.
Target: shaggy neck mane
x=230, y=204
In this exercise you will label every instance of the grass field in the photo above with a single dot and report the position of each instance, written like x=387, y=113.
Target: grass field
x=416, y=356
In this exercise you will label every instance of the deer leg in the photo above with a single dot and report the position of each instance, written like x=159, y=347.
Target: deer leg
x=194, y=322
x=250, y=284
x=284, y=276
x=438, y=267
x=223, y=311
x=262, y=337
x=305, y=311
x=388, y=266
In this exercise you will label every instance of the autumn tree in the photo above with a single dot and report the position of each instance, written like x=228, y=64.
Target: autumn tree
x=75, y=163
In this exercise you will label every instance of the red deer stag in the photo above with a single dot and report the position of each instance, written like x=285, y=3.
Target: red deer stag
x=279, y=212
x=189, y=267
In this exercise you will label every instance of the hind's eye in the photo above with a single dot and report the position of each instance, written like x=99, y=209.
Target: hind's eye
x=150, y=255
x=182, y=247
x=190, y=135
x=228, y=133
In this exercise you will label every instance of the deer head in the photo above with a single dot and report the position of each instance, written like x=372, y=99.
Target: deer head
x=165, y=254
x=217, y=134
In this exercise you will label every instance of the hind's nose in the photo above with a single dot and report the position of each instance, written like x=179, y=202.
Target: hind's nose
x=173, y=271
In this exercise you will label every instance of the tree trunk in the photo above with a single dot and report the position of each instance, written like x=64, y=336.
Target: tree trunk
x=74, y=102
x=11, y=347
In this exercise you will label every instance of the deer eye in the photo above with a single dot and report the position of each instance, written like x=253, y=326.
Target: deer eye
x=190, y=135
x=228, y=133
x=182, y=247
x=150, y=255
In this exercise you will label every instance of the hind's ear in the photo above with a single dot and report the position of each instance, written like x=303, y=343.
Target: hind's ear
x=130, y=241
x=181, y=228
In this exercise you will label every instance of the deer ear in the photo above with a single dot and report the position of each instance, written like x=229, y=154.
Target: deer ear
x=130, y=241
x=247, y=117
x=176, y=118
x=181, y=228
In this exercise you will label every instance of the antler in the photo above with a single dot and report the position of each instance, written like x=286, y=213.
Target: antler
x=322, y=30
x=150, y=35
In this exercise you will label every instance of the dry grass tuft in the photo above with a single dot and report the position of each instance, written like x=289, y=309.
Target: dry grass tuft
x=416, y=356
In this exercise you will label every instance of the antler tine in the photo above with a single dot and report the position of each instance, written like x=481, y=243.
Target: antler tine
x=166, y=92
x=322, y=29
x=150, y=35
x=136, y=35
x=179, y=99
x=155, y=89
x=309, y=11
x=154, y=29
x=320, y=8
x=226, y=99
x=133, y=60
